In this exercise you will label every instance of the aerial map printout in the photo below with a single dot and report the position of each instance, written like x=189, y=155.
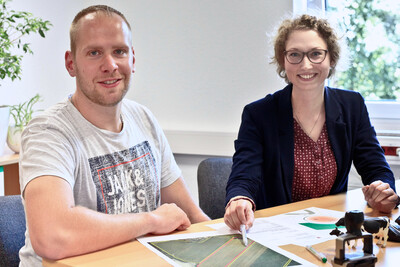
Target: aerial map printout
x=216, y=249
x=223, y=250
x=224, y=247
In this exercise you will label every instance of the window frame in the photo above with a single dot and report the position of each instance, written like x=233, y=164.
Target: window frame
x=384, y=114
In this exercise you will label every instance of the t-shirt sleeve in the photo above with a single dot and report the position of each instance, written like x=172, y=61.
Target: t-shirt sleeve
x=44, y=152
x=170, y=171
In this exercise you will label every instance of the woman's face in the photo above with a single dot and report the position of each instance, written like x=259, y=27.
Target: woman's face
x=306, y=75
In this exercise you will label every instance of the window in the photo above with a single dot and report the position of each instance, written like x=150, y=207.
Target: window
x=372, y=32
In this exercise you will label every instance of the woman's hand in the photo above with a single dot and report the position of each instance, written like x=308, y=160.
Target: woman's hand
x=239, y=212
x=380, y=196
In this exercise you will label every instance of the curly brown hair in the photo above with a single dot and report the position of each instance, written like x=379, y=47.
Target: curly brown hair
x=109, y=11
x=305, y=22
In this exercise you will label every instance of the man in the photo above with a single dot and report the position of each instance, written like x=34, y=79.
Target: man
x=95, y=168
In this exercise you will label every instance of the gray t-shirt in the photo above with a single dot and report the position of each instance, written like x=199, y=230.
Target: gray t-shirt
x=108, y=172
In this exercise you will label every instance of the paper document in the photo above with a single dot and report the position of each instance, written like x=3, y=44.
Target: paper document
x=214, y=249
x=225, y=246
x=303, y=227
x=1, y=181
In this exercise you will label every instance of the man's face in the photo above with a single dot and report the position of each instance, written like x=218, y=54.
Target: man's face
x=103, y=60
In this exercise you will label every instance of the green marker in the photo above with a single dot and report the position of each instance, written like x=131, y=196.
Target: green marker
x=317, y=254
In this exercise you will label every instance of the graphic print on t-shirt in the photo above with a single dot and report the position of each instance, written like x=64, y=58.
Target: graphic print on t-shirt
x=126, y=181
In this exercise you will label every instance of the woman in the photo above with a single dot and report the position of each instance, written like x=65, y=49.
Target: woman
x=300, y=142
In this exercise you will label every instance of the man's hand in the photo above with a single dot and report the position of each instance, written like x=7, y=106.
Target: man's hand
x=380, y=196
x=239, y=212
x=168, y=218
x=178, y=193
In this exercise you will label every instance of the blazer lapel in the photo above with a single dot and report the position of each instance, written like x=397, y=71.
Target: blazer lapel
x=286, y=139
x=337, y=132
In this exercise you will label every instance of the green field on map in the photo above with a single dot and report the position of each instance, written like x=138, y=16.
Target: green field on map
x=223, y=250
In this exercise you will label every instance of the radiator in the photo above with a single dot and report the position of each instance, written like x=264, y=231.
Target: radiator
x=390, y=142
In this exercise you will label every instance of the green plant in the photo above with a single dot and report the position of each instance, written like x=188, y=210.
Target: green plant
x=22, y=113
x=13, y=26
x=373, y=39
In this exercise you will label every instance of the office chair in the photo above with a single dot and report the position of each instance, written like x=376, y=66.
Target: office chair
x=12, y=229
x=212, y=176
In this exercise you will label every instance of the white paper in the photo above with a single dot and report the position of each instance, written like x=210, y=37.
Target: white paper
x=286, y=228
x=1, y=181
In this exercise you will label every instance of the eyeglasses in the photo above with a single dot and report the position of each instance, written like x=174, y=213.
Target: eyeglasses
x=315, y=56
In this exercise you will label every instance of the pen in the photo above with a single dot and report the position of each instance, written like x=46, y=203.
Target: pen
x=244, y=234
x=317, y=254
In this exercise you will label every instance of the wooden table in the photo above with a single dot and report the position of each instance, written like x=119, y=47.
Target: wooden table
x=9, y=162
x=135, y=254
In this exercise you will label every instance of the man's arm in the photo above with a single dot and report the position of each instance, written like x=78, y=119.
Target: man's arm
x=178, y=193
x=59, y=229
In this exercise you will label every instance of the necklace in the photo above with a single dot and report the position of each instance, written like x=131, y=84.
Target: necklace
x=315, y=123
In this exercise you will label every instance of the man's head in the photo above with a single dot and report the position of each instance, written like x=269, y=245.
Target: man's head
x=101, y=56
x=106, y=10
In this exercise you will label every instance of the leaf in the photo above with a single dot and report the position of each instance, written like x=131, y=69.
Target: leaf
x=22, y=113
x=41, y=33
x=25, y=48
x=14, y=25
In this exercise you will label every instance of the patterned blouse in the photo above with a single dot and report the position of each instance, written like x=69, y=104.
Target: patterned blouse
x=314, y=165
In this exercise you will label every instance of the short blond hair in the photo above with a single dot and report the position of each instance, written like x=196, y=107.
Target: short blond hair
x=109, y=11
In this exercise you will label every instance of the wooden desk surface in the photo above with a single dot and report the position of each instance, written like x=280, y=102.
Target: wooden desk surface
x=8, y=157
x=9, y=162
x=135, y=254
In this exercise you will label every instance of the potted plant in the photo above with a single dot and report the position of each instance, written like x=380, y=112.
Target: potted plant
x=22, y=114
x=14, y=25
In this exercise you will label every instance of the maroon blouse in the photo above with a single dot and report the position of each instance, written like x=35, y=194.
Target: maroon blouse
x=314, y=165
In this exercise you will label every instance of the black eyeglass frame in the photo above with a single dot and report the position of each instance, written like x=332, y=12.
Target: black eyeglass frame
x=306, y=53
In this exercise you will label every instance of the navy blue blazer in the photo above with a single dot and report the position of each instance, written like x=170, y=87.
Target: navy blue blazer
x=263, y=164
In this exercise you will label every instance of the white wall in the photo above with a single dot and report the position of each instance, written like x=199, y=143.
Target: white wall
x=197, y=63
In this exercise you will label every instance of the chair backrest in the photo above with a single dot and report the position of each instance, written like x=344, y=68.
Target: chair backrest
x=212, y=176
x=12, y=229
